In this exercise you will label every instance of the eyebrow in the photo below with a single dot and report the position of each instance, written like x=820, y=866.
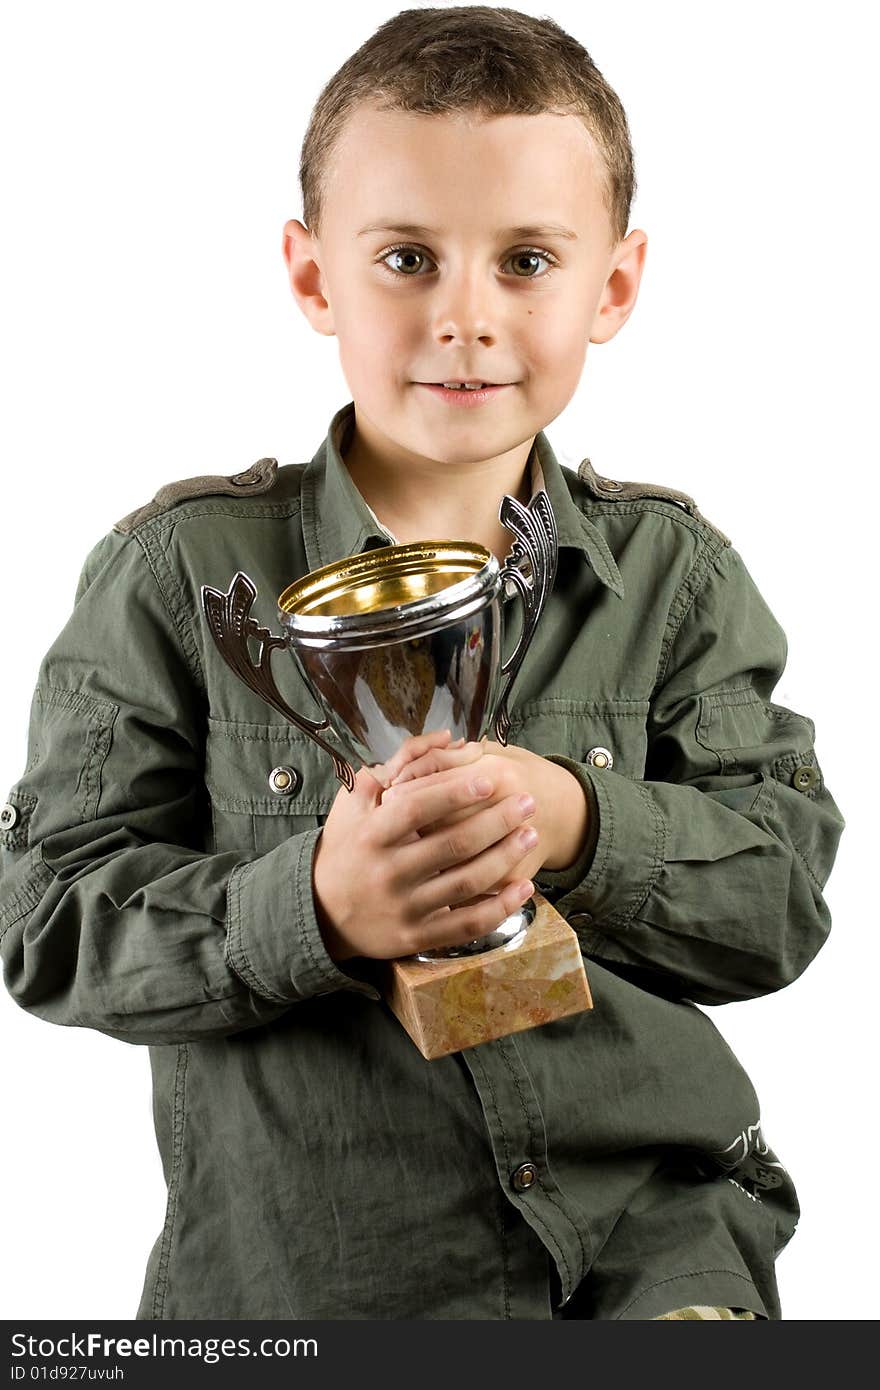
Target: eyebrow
x=515, y=233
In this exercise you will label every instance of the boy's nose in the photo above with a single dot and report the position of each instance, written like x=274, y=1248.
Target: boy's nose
x=464, y=324
x=464, y=309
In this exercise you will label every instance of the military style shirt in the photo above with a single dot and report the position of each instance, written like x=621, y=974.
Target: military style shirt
x=157, y=886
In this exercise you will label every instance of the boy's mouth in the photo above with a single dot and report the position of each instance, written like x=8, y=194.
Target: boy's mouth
x=465, y=392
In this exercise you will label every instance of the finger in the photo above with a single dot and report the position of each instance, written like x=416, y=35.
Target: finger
x=412, y=747
x=456, y=844
x=419, y=804
x=472, y=920
x=438, y=760
x=466, y=880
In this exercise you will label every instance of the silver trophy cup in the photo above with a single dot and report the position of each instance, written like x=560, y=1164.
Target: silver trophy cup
x=401, y=640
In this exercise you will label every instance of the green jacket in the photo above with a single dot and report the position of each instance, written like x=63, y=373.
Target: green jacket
x=156, y=888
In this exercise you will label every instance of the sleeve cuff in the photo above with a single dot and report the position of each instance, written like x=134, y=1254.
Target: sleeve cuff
x=622, y=856
x=273, y=941
x=558, y=882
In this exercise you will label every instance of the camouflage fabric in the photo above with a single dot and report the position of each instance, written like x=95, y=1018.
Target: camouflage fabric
x=704, y=1314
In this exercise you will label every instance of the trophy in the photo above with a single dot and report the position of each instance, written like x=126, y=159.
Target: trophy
x=404, y=640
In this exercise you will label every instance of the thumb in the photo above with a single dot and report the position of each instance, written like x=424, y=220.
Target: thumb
x=367, y=788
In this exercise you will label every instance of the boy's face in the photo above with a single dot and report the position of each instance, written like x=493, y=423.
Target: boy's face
x=484, y=286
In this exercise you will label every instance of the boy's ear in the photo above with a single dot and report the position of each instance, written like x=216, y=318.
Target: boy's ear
x=618, y=298
x=306, y=276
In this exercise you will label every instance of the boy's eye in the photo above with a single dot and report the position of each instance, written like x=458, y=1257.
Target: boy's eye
x=524, y=258
x=411, y=258
x=406, y=255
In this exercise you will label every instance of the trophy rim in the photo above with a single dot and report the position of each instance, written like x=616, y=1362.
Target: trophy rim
x=475, y=589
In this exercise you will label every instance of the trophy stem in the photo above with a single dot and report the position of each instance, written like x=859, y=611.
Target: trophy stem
x=508, y=935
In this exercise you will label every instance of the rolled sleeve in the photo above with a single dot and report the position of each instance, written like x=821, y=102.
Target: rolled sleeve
x=621, y=856
x=709, y=870
x=273, y=939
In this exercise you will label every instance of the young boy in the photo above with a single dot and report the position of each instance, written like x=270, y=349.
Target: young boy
x=180, y=868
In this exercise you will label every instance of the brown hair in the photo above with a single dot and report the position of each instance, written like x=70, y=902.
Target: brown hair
x=477, y=58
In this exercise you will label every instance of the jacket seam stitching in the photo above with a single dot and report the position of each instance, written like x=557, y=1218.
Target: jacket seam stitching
x=28, y=895
x=534, y=1146
x=635, y=506
x=551, y=1237
x=688, y=1274
x=100, y=742
x=802, y=856
x=159, y=525
x=298, y=873
x=626, y=915
x=179, y=618
x=564, y=705
x=537, y=1216
x=488, y=1080
x=696, y=581
x=177, y=1130
x=245, y=966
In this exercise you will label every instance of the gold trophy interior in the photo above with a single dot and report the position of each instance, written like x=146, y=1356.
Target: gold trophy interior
x=402, y=640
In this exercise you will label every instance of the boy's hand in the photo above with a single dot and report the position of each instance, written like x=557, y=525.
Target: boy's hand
x=561, y=816
x=411, y=750
x=391, y=877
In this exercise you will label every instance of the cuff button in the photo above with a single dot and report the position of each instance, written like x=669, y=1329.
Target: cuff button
x=600, y=757
x=8, y=816
x=805, y=777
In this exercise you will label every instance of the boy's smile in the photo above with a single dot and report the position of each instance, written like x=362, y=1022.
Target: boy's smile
x=459, y=249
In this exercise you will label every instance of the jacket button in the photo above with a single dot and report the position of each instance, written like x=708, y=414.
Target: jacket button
x=804, y=777
x=284, y=780
x=523, y=1177
x=609, y=485
x=250, y=475
x=580, y=919
x=8, y=816
x=600, y=757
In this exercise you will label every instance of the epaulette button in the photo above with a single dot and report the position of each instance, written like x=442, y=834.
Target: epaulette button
x=250, y=475
x=609, y=485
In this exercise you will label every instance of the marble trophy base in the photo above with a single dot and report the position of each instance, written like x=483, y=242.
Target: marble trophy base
x=446, y=1005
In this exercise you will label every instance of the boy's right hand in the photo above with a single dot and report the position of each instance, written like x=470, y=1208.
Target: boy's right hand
x=385, y=884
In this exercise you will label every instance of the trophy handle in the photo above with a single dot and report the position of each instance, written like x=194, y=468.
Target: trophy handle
x=536, y=540
x=231, y=625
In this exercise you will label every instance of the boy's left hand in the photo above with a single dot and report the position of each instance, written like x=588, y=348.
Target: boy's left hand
x=561, y=814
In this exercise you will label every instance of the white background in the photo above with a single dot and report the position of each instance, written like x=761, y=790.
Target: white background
x=149, y=163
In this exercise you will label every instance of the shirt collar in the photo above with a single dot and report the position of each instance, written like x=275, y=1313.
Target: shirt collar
x=337, y=521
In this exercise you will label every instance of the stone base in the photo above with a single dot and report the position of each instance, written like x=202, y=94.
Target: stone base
x=448, y=1005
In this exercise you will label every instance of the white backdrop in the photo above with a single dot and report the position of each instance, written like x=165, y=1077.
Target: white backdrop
x=149, y=334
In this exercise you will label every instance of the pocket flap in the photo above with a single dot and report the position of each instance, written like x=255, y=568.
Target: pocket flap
x=240, y=756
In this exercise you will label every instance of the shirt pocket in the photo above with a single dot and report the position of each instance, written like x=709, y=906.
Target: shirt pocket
x=266, y=782
x=69, y=737
x=608, y=733
x=749, y=736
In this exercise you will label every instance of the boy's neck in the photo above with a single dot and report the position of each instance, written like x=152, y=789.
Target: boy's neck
x=418, y=498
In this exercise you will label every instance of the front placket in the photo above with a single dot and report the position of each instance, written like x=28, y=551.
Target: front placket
x=518, y=1135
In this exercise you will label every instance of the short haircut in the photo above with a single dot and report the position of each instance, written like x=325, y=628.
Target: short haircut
x=475, y=58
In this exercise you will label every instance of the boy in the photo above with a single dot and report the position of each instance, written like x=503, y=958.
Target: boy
x=181, y=870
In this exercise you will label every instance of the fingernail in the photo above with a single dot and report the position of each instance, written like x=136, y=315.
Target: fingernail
x=527, y=804
x=528, y=837
x=481, y=786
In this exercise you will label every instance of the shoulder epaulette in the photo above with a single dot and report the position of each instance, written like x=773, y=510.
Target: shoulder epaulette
x=254, y=480
x=609, y=490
